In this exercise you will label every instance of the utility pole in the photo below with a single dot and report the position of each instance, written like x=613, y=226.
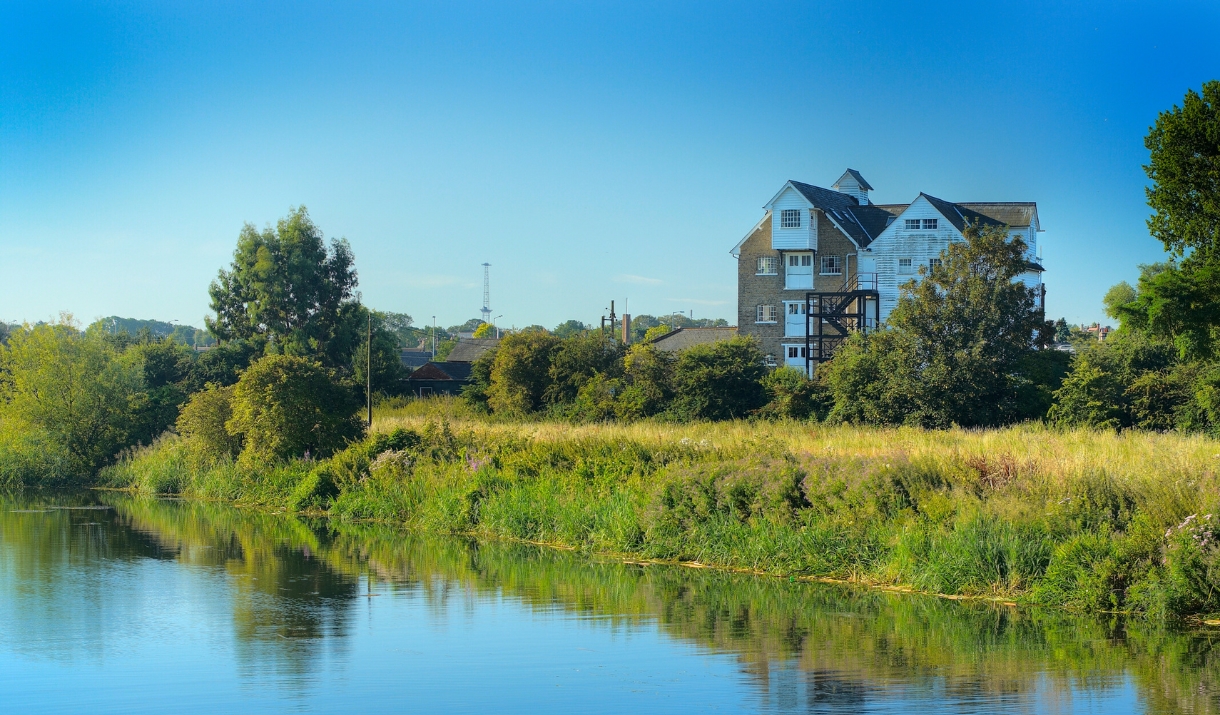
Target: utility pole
x=612, y=317
x=434, y=337
x=368, y=369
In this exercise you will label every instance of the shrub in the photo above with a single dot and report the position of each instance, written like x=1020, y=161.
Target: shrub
x=285, y=406
x=719, y=381
x=520, y=373
x=74, y=387
x=791, y=394
x=32, y=457
x=203, y=418
x=648, y=373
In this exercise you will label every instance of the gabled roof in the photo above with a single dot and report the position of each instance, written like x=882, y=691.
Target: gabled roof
x=683, y=338
x=861, y=223
x=471, y=349
x=1009, y=213
x=855, y=175
x=959, y=216
x=459, y=371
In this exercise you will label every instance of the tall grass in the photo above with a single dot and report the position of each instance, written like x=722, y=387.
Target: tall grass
x=1087, y=520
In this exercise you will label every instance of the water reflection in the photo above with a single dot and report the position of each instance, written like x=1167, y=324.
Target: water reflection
x=293, y=591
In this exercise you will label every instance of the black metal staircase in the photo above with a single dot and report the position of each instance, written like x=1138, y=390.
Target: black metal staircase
x=831, y=317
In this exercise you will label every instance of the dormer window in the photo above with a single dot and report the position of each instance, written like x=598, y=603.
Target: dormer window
x=790, y=218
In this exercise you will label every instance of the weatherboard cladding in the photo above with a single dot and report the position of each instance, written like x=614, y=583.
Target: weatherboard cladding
x=840, y=213
x=862, y=223
x=860, y=179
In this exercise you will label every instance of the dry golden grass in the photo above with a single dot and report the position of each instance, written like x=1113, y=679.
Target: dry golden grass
x=1133, y=457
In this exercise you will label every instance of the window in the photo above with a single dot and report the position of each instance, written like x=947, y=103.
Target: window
x=768, y=266
x=929, y=224
x=933, y=263
x=796, y=309
x=795, y=351
x=904, y=265
x=790, y=218
x=911, y=224
x=795, y=260
x=769, y=360
x=832, y=266
x=766, y=314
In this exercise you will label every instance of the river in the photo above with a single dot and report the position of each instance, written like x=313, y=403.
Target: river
x=112, y=604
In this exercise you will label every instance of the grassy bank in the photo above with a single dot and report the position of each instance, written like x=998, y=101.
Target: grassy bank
x=1090, y=521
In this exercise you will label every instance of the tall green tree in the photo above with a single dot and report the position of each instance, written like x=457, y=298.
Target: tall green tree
x=1182, y=302
x=387, y=368
x=75, y=387
x=952, y=350
x=286, y=287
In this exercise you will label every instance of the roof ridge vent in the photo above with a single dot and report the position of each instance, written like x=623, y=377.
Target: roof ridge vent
x=854, y=185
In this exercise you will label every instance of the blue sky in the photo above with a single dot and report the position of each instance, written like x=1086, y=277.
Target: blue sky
x=588, y=151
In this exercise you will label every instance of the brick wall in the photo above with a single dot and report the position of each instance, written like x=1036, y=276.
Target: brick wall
x=753, y=289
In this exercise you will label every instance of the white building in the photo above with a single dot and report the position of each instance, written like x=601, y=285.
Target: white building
x=817, y=251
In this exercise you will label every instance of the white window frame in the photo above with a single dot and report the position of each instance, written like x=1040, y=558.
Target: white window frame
x=766, y=314
x=769, y=360
x=911, y=224
x=929, y=224
x=768, y=266
x=907, y=268
x=934, y=263
x=790, y=218
x=837, y=268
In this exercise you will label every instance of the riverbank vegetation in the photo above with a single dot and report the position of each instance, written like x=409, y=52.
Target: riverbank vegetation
x=1092, y=521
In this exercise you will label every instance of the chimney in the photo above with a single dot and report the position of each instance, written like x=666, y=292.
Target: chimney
x=626, y=328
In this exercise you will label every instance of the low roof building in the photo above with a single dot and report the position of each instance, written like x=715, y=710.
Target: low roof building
x=469, y=350
x=439, y=378
x=683, y=338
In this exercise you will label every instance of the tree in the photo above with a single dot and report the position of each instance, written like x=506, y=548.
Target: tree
x=284, y=406
x=719, y=381
x=1184, y=167
x=952, y=349
x=286, y=287
x=568, y=328
x=576, y=360
x=486, y=330
x=399, y=325
x=791, y=394
x=203, y=418
x=649, y=375
x=520, y=373
x=76, y=387
x=388, y=372
x=1118, y=296
x=1182, y=301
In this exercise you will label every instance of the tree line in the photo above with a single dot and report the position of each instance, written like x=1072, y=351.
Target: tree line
x=967, y=344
